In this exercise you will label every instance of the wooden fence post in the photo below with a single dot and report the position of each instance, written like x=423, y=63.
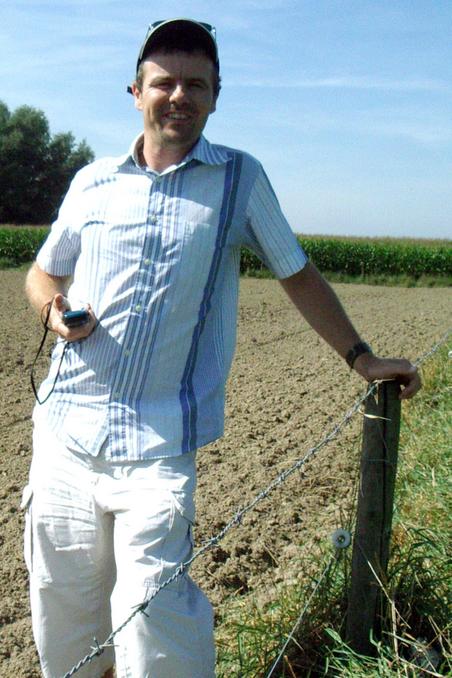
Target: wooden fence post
x=374, y=515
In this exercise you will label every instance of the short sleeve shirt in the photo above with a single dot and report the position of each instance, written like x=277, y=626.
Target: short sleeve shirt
x=157, y=256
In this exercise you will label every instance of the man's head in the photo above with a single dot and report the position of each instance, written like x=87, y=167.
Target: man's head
x=180, y=35
x=176, y=87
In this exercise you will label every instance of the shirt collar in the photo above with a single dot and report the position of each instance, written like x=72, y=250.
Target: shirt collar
x=203, y=152
x=207, y=153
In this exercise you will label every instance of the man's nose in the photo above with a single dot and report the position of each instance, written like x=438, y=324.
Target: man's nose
x=178, y=94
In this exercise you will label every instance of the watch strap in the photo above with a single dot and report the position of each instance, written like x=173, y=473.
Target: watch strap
x=356, y=350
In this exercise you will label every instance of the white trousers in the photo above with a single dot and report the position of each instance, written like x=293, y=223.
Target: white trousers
x=99, y=538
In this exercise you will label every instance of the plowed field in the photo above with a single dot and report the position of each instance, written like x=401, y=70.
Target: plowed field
x=287, y=390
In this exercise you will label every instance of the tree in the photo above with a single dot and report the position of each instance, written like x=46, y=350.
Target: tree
x=35, y=168
x=4, y=116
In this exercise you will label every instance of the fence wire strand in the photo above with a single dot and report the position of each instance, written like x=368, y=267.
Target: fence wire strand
x=98, y=649
x=291, y=635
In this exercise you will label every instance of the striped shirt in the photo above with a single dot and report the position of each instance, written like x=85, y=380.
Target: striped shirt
x=157, y=256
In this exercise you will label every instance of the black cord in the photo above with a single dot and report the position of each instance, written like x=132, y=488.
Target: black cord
x=45, y=311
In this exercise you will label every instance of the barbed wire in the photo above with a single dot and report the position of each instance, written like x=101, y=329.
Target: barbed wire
x=98, y=649
x=434, y=348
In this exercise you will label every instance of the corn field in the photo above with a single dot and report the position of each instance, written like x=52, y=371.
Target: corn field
x=350, y=256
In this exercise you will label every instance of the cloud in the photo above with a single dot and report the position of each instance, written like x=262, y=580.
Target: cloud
x=346, y=82
x=427, y=134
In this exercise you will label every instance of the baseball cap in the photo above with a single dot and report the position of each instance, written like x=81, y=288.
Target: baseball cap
x=185, y=30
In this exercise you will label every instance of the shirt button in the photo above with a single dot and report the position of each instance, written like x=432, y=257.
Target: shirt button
x=153, y=218
x=127, y=353
x=138, y=307
x=146, y=262
x=116, y=395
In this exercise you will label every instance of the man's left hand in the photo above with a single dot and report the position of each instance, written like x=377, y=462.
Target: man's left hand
x=373, y=368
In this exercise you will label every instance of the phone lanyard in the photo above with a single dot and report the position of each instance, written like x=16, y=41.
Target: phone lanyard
x=45, y=309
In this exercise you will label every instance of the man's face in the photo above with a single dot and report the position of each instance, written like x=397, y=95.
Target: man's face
x=176, y=98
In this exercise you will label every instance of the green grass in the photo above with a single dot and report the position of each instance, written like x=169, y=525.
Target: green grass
x=421, y=242
x=416, y=619
x=401, y=280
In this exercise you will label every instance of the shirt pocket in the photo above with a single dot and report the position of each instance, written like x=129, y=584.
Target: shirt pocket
x=199, y=257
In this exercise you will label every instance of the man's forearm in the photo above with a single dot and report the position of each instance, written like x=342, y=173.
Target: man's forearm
x=41, y=287
x=319, y=305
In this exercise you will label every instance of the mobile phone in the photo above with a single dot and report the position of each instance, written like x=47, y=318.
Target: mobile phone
x=75, y=318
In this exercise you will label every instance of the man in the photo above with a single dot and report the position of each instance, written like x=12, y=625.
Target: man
x=152, y=242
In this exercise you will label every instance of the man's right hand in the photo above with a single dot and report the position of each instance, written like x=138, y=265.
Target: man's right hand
x=55, y=322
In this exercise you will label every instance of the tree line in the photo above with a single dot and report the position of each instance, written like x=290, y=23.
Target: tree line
x=36, y=167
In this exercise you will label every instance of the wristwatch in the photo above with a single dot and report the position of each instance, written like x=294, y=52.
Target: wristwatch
x=357, y=350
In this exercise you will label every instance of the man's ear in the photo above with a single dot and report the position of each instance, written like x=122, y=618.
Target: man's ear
x=137, y=96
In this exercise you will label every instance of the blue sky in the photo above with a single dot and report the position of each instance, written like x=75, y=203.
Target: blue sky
x=347, y=103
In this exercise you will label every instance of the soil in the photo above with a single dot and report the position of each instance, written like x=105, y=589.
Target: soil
x=287, y=390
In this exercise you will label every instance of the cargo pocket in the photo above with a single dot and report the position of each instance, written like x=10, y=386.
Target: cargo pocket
x=185, y=505
x=25, y=506
x=176, y=541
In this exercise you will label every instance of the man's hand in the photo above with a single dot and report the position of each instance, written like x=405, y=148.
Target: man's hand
x=55, y=322
x=373, y=368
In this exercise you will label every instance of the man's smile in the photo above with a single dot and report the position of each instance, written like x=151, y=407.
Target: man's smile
x=176, y=115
